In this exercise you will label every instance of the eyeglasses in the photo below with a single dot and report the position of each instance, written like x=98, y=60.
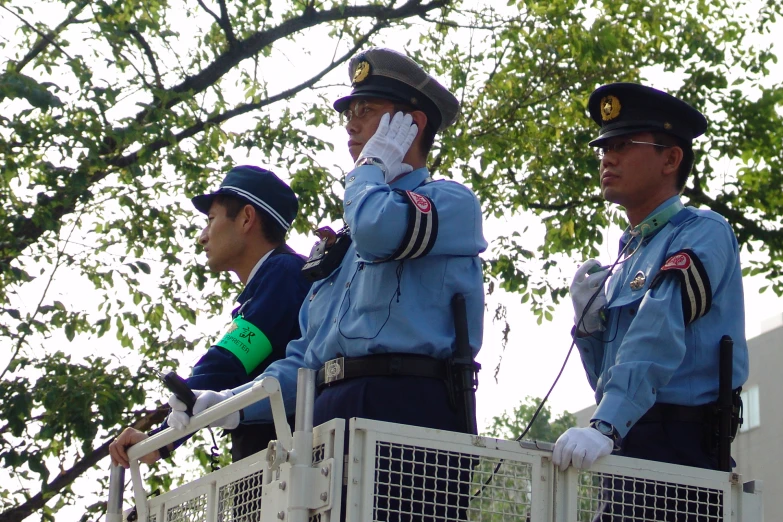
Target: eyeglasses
x=360, y=110
x=621, y=146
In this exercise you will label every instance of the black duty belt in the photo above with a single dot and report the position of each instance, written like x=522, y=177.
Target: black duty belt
x=662, y=412
x=381, y=365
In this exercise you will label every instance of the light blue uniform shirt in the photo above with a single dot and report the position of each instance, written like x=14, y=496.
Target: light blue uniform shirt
x=367, y=306
x=649, y=352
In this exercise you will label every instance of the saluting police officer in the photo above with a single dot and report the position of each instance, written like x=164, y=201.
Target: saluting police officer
x=380, y=327
x=649, y=341
x=248, y=217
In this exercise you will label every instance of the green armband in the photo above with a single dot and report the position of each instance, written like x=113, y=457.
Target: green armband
x=247, y=342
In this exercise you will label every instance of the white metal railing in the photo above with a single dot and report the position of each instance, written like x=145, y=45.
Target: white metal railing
x=397, y=472
x=483, y=479
x=266, y=388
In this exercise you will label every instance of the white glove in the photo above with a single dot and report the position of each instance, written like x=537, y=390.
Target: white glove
x=390, y=143
x=583, y=287
x=581, y=447
x=179, y=419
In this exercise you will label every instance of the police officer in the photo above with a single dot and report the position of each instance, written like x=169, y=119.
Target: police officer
x=248, y=218
x=379, y=327
x=649, y=341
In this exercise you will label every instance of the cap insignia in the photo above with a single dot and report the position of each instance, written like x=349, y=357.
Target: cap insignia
x=610, y=108
x=667, y=125
x=361, y=72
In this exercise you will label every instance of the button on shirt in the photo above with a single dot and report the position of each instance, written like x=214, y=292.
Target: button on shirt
x=647, y=353
x=369, y=305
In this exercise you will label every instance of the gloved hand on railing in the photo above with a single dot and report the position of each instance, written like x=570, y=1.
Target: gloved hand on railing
x=583, y=287
x=580, y=447
x=179, y=419
x=390, y=143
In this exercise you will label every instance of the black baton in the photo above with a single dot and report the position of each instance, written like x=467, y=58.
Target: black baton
x=464, y=368
x=725, y=403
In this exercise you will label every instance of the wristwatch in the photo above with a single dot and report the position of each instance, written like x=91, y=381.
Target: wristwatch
x=369, y=160
x=604, y=428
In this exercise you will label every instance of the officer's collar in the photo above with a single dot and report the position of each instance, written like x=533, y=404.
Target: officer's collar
x=245, y=294
x=655, y=221
x=411, y=180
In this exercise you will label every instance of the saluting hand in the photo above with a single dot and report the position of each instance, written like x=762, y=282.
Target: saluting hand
x=391, y=142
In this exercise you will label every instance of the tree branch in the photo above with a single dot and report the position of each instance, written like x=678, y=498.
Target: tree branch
x=43, y=41
x=246, y=107
x=46, y=39
x=209, y=11
x=222, y=21
x=66, y=477
x=57, y=261
x=253, y=44
x=226, y=25
x=27, y=230
x=745, y=228
x=150, y=55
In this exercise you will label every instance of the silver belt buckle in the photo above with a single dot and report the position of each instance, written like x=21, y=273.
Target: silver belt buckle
x=334, y=370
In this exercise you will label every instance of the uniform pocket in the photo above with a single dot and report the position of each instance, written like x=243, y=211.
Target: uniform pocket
x=318, y=301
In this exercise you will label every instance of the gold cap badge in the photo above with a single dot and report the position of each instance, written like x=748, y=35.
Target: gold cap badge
x=610, y=108
x=361, y=72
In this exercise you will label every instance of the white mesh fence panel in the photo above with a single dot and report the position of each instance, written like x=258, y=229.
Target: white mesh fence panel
x=448, y=479
x=239, y=486
x=501, y=490
x=403, y=473
x=240, y=501
x=413, y=482
x=194, y=510
x=607, y=497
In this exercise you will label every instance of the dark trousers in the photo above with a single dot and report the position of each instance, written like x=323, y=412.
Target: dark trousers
x=685, y=443
x=411, y=484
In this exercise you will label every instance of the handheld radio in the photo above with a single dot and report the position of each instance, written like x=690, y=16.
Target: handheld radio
x=180, y=389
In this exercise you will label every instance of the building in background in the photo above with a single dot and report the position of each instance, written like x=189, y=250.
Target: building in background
x=758, y=448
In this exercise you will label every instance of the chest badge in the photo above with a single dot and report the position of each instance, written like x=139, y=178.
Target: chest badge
x=638, y=281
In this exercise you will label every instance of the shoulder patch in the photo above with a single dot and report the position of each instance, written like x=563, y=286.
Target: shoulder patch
x=423, y=204
x=694, y=283
x=677, y=262
x=422, y=228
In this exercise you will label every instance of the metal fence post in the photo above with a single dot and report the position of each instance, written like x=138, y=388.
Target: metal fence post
x=116, y=487
x=302, y=455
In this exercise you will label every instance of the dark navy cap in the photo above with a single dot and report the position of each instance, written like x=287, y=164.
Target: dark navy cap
x=259, y=187
x=383, y=73
x=628, y=108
